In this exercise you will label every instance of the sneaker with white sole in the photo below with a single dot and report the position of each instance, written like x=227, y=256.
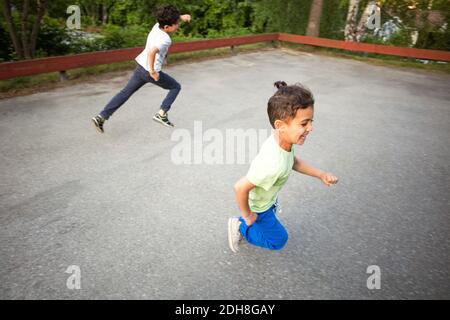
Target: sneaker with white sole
x=234, y=235
x=164, y=120
x=98, y=123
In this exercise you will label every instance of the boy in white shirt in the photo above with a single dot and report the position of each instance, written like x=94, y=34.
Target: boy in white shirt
x=148, y=69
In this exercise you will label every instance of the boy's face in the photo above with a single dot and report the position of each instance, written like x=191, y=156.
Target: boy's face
x=295, y=130
x=172, y=28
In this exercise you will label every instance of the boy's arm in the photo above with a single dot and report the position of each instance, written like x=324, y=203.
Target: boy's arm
x=302, y=167
x=151, y=62
x=242, y=188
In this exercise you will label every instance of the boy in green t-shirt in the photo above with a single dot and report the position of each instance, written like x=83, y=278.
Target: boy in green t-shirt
x=291, y=111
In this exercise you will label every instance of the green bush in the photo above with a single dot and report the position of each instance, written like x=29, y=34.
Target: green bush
x=437, y=40
x=289, y=16
x=116, y=37
x=370, y=38
x=332, y=22
x=6, y=48
x=401, y=38
x=53, y=39
x=81, y=42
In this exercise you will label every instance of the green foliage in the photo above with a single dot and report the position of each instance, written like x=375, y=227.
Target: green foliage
x=289, y=16
x=116, y=37
x=52, y=39
x=334, y=15
x=215, y=18
x=431, y=36
x=5, y=45
x=125, y=13
x=401, y=38
x=438, y=40
x=57, y=9
x=373, y=39
x=126, y=23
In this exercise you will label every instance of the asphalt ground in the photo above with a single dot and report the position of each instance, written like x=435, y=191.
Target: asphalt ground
x=140, y=226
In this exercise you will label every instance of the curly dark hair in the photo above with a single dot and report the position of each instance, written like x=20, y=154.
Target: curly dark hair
x=167, y=15
x=283, y=105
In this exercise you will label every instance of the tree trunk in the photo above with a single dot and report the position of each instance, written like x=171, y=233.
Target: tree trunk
x=315, y=14
x=362, y=26
x=24, y=33
x=12, y=29
x=350, y=25
x=42, y=7
x=105, y=14
x=95, y=13
x=25, y=45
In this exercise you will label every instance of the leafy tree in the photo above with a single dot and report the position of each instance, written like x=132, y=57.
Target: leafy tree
x=23, y=21
x=32, y=28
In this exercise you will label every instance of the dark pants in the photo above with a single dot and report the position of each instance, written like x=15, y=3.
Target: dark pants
x=138, y=79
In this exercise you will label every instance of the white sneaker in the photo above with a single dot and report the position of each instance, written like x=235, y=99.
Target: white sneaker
x=234, y=236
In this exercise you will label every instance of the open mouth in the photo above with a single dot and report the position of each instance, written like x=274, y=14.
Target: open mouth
x=302, y=138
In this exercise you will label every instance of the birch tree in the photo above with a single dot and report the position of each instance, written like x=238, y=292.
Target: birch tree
x=351, y=23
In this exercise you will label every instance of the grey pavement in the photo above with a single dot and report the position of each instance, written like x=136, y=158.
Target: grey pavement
x=141, y=227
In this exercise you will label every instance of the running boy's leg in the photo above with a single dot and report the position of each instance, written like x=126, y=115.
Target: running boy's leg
x=167, y=82
x=266, y=232
x=137, y=80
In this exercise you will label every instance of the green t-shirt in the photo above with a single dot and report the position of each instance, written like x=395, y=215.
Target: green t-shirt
x=269, y=171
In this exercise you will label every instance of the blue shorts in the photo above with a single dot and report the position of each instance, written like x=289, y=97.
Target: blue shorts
x=266, y=232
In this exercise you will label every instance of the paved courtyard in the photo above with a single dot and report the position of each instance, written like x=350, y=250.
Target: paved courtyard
x=139, y=226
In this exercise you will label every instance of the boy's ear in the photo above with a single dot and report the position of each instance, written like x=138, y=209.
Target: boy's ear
x=278, y=124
